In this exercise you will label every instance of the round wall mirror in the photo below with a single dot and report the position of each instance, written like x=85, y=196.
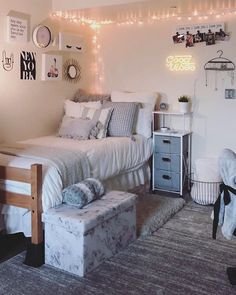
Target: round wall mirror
x=71, y=71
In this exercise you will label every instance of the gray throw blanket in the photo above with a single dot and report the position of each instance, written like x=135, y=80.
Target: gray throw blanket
x=72, y=166
x=227, y=214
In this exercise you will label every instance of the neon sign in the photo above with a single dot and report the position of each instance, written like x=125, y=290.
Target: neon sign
x=179, y=63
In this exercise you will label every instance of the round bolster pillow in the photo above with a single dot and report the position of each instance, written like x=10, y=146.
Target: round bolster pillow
x=83, y=193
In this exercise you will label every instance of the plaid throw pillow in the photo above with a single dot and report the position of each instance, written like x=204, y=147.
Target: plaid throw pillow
x=123, y=118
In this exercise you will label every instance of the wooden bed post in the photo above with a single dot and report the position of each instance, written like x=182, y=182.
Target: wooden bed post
x=33, y=176
x=35, y=250
x=36, y=195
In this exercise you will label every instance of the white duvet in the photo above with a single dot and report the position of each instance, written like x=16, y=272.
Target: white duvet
x=107, y=158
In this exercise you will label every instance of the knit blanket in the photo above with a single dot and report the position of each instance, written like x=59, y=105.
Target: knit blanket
x=61, y=168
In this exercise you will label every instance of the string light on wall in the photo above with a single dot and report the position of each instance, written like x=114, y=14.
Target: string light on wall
x=98, y=67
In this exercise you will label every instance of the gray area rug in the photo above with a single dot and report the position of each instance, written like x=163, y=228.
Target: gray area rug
x=180, y=258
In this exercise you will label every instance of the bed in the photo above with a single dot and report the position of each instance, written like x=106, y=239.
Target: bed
x=34, y=172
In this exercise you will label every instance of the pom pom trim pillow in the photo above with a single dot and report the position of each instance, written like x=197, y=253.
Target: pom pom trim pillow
x=102, y=117
x=76, y=128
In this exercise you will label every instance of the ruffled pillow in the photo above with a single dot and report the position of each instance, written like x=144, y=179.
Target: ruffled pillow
x=83, y=193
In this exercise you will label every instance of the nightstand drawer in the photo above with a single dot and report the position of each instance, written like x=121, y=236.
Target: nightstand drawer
x=167, y=144
x=167, y=180
x=170, y=162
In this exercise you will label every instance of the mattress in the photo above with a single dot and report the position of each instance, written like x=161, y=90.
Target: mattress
x=107, y=158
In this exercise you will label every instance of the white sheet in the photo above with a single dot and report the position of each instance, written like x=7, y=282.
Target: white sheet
x=108, y=158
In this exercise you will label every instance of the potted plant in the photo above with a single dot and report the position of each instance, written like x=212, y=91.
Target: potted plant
x=184, y=103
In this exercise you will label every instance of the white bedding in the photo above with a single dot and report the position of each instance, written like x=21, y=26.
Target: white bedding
x=108, y=157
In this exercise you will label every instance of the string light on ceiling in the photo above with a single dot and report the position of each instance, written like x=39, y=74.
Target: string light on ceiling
x=138, y=19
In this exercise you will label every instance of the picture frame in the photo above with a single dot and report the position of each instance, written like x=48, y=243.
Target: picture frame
x=51, y=67
x=18, y=27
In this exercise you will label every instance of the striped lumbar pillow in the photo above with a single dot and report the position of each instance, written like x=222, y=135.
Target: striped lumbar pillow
x=83, y=193
x=102, y=117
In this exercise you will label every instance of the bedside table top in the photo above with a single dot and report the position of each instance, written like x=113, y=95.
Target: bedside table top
x=177, y=133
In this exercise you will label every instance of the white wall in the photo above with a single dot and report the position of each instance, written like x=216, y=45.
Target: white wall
x=33, y=108
x=75, y=4
x=134, y=59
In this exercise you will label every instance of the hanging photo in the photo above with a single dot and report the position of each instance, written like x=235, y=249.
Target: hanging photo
x=199, y=37
x=27, y=65
x=51, y=67
x=178, y=38
x=222, y=36
x=189, y=40
x=210, y=38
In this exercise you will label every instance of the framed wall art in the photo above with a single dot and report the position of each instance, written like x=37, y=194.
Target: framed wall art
x=51, y=67
x=18, y=27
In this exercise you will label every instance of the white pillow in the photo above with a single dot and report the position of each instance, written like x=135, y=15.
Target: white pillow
x=148, y=100
x=75, y=109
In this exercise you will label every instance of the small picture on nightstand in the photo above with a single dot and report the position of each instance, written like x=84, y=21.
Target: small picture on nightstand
x=163, y=106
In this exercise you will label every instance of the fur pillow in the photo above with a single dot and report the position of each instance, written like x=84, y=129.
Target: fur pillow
x=83, y=193
x=83, y=96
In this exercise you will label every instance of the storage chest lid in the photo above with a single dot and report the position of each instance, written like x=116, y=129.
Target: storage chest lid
x=81, y=220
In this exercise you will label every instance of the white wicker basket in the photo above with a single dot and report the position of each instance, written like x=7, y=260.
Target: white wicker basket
x=204, y=193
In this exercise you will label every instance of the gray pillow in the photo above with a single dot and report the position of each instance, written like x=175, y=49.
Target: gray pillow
x=83, y=193
x=76, y=128
x=123, y=118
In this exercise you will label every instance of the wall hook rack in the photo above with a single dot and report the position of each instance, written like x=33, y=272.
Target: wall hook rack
x=219, y=63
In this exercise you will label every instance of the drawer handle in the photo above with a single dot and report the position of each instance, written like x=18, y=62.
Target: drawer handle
x=166, y=141
x=166, y=177
x=166, y=159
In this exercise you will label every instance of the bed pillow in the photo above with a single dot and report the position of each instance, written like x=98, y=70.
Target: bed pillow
x=84, y=96
x=83, y=193
x=76, y=128
x=123, y=118
x=144, y=119
x=75, y=109
x=102, y=117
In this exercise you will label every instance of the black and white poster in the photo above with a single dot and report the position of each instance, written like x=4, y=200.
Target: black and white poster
x=27, y=65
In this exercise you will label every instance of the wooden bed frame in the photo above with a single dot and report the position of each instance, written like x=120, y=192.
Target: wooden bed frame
x=33, y=202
